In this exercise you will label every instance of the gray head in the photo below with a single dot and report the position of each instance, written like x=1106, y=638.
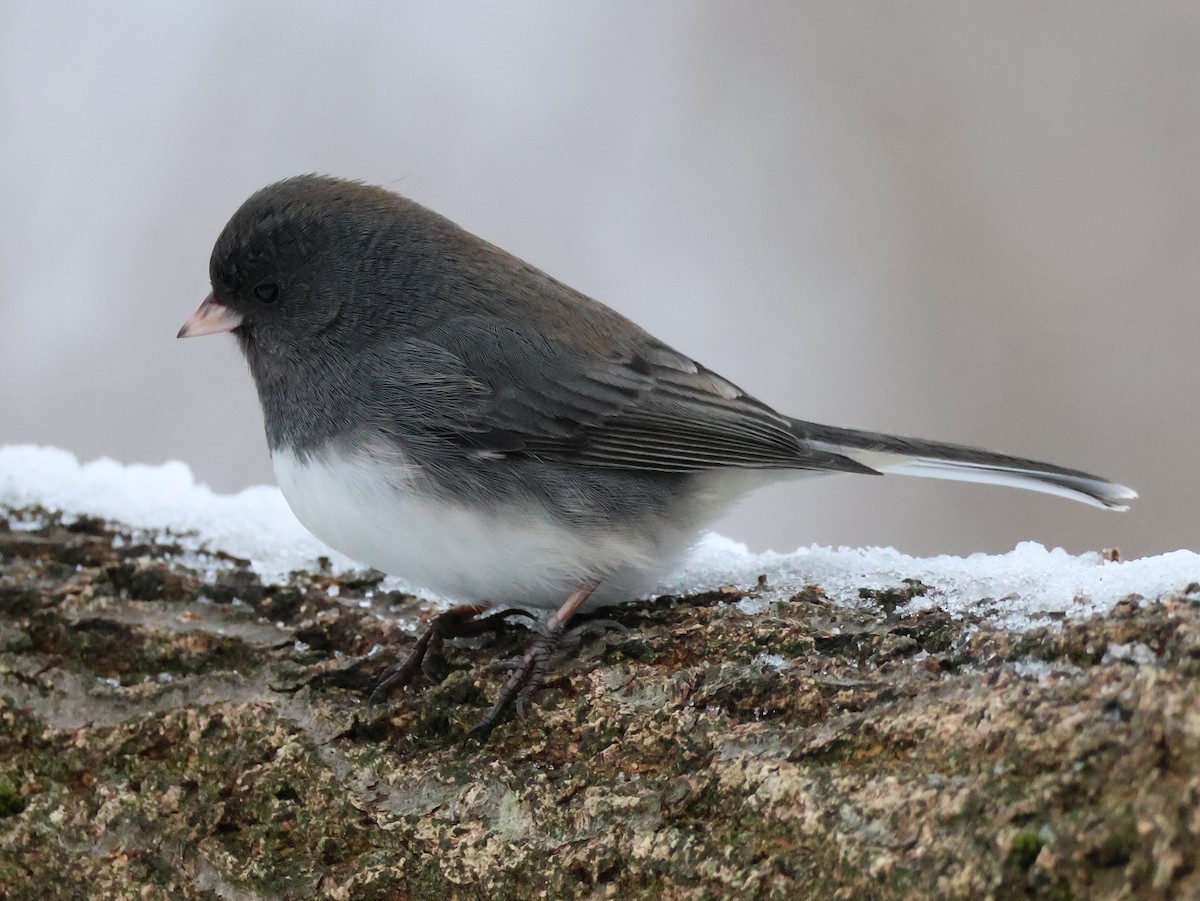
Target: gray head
x=295, y=262
x=309, y=275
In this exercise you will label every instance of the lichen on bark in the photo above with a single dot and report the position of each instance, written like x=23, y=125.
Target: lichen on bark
x=171, y=727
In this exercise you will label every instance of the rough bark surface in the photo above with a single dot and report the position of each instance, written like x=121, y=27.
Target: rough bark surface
x=168, y=732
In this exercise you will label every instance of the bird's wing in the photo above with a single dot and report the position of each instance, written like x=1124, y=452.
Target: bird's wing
x=495, y=390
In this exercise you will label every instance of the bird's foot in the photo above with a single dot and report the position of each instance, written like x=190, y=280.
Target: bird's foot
x=523, y=683
x=544, y=653
x=427, y=655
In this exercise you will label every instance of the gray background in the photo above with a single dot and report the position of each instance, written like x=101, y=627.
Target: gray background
x=975, y=221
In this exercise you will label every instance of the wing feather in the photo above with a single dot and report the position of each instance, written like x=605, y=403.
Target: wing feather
x=498, y=392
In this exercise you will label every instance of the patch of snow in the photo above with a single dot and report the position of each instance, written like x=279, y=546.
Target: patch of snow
x=1017, y=589
x=167, y=503
x=752, y=605
x=1033, y=669
x=774, y=661
x=1136, y=652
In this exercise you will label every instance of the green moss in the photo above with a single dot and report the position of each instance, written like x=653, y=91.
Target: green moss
x=11, y=802
x=1025, y=847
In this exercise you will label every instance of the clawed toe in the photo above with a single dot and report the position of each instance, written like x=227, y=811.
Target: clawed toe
x=428, y=654
x=528, y=677
x=552, y=644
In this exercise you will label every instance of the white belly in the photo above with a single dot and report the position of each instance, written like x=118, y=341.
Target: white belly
x=374, y=514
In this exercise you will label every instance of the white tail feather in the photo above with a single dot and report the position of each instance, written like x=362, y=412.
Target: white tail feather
x=1096, y=492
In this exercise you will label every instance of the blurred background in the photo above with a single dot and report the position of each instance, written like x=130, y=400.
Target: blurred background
x=972, y=221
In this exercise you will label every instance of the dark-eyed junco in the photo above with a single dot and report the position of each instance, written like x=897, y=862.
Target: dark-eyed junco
x=440, y=410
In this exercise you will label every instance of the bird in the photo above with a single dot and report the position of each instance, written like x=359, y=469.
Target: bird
x=440, y=410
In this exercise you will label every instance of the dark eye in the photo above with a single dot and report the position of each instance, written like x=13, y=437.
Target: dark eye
x=266, y=291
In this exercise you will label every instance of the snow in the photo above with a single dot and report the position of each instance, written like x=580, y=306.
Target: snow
x=165, y=501
x=1014, y=589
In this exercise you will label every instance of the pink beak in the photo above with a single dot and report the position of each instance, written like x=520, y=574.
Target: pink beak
x=211, y=318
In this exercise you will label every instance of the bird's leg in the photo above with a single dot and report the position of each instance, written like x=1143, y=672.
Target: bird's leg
x=462, y=621
x=530, y=673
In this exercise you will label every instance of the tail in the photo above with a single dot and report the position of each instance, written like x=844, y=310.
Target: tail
x=934, y=460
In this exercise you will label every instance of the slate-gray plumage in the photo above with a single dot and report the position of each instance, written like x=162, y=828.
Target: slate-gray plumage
x=441, y=410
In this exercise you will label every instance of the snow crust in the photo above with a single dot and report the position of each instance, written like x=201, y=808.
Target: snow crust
x=166, y=502
x=1016, y=589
